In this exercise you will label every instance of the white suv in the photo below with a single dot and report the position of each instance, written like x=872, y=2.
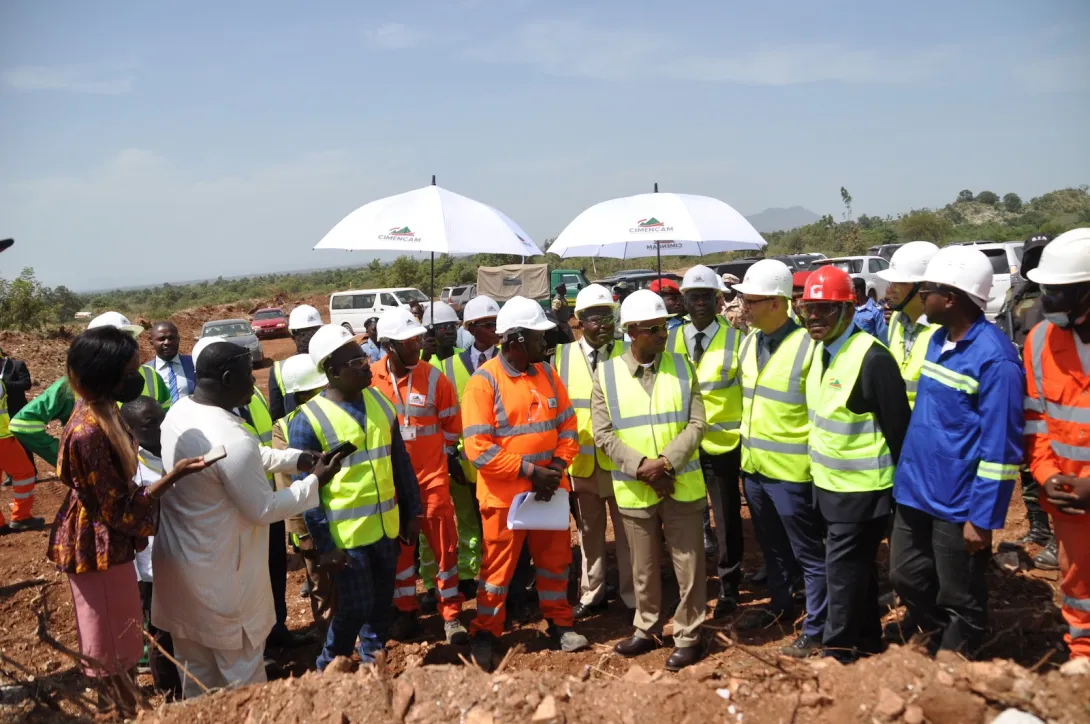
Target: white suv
x=864, y=267
x=1006, y=259
x=352, y=309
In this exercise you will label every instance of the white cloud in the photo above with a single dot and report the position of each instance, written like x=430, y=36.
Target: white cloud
x=394, y=36
x=95, y=80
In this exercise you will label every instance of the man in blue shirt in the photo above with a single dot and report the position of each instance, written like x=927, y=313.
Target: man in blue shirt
x=961, y=457
x=868, y=315
x=370, y=347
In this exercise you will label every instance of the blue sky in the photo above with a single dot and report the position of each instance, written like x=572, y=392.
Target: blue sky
x=158, y=141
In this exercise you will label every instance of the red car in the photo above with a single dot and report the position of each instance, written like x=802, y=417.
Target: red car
x=270, y=322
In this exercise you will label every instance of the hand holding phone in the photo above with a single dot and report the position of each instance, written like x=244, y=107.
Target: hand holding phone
x=219, y=452
x=344, y=450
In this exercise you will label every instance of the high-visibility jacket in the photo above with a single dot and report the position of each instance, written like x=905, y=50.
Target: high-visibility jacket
x=720, y=387
x=360, y=502
x=912, y=363
x=427, y=404
x=260, y=424
x=775, y=422
x=456, y=368
x=1057, y=404
x=647, y=424
x=512, y=421
x=154, y=387
x=848, y=452
x=5, y=418
x=574, y=370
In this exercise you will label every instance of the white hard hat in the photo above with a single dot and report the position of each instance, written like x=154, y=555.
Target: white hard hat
x=722, y=285
x=480, y=307
x=328, y=339
x=522, y=313
x=909, y=262
x=299, y=374
x=398, y=324
x=964, y=268
x=304, y=317
x=593, y=295
x=768, y=277
x=643, y=305
x=202, y=344
x=116, y=320
x=444, y=314
x=1065, y=260
x=700, y=277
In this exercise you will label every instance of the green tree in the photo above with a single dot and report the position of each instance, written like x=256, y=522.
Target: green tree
x=965, y=195
x=988, y=198
x=924, y=225
x=24, y=303
x=1012, y=202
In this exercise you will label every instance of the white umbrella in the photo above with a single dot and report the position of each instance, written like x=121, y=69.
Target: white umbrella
x=430, y=219
x=655, y=224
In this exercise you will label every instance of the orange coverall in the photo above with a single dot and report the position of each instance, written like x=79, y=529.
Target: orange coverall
x=1058, y=443
x=14, y=462
x=427, y=411
x=512, y=421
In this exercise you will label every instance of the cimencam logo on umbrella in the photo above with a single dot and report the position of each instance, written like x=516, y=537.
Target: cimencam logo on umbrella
x=650, y=224
x=400, y=233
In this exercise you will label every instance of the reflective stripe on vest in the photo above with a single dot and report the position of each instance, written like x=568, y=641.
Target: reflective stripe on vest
x=647, y=424
x=5, y=418
x=574, y=370
x=502, y=428
x=278, y=375
x=775, y=424
x=360, y=502
x=912, y=365
x=263, y=422
x=720, y=386
x=425, y=410
x=454, y=367
x=1056, y=411
x=848, y=452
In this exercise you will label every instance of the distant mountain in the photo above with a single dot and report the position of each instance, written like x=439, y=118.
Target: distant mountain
x=782, y=219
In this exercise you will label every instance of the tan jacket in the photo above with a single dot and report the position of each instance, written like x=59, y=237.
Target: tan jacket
x=295, y=523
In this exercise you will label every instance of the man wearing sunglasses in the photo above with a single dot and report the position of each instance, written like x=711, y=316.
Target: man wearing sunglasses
x=648, y=417
x=1057, y=361
x=859, y=412
x=577, y=364
x=712, y=346
x=961, y=457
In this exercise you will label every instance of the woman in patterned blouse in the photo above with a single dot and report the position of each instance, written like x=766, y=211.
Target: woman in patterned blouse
x=105, y=517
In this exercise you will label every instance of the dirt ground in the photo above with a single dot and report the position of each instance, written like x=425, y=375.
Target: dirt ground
x=424, y=680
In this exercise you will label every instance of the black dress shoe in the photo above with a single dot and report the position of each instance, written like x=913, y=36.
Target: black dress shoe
x=759, y=619
x=612, y=593
x=634, y=646
x=802, y=647
x=586, y=610
x=684, y=656
x=726, y=603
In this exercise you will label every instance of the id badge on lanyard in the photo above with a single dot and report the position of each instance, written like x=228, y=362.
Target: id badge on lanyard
x=408, y=431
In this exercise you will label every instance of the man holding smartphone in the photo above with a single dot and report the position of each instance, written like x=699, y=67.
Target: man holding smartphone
x=372, y=502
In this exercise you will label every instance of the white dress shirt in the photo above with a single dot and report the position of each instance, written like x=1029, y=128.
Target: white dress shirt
x=212, y=549
x=475, y=356
x=690, y=336
x=175, y=364
x=603, y=351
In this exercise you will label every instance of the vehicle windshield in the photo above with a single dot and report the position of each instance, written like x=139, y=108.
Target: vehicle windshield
x=457, y=291
x=410, y=295
x=227, y=329
x=998, y=258
x=269, y=314
x=852, y=266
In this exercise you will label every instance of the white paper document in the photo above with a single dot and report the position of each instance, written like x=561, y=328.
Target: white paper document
x=526, y=513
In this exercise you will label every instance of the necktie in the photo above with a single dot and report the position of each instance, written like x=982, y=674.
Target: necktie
x=172, y=382
x=594, y=360
x=825, y=359
x=698, y=346
x=481, y=360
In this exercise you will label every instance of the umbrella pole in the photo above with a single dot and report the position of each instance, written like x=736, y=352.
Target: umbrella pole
x=658, y=249
x=433, y=276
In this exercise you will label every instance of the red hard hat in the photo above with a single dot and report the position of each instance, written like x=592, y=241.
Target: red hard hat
x=829, y=284
x=798, y=279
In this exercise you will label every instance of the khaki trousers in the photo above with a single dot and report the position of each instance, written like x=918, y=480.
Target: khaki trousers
x=682, y=524
x=594, y=498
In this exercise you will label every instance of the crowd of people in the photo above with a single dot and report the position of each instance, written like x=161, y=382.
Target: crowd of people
x=395, y=457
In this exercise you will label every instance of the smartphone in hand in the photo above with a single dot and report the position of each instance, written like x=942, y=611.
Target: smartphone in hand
x=219, y=452
x=345, y=449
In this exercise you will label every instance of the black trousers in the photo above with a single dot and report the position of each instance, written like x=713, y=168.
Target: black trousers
x=721, y=475
x=1031, y=493
x=163, y=672
x=944, y=587
x=278, y=575
x=853, y=623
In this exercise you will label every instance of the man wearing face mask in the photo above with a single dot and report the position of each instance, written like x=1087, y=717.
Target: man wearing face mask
x=577, y=364
x=521, y=434
x=961, y=457
x=427, y=412
x=859, y=411
x=1057, y=362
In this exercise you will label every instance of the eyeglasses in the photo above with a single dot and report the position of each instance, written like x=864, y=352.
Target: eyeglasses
x=486, y=323
x=599, y=319
x=928, y=290
x=653, y=329
x=755, y=302
x=358, y=362
x=820, y=309
x=445, y=327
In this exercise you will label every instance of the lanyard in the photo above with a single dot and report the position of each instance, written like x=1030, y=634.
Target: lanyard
x=397, y=393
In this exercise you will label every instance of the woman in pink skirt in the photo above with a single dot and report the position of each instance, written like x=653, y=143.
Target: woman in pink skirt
x=105, y=518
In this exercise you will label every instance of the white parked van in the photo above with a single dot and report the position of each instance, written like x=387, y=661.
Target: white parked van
x=353, y=308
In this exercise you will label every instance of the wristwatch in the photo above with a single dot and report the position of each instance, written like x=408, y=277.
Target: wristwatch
x=667, y=465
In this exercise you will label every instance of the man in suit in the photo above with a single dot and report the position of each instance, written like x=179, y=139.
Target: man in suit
x=175, y=369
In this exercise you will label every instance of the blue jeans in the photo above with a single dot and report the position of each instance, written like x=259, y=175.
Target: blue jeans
x=791, y=531
x=365, y=600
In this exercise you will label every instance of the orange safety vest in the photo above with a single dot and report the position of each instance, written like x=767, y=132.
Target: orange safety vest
x=1057, y=405
x=427, y=412
x=512, y=421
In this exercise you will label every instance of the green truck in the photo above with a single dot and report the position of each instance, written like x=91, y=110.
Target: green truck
x=535, y=281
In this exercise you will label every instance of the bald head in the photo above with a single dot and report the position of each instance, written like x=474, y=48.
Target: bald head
x=165, y=340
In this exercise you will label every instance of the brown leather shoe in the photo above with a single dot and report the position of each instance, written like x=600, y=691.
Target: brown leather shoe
x=634, y=646
x=684, y=656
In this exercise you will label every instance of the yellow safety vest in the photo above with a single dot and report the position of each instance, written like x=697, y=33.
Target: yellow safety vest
x=647, y=424
x=912, y=364
x=775, y=425
x=360, y=502
x=574, y=370
x=456, y=368
x=848, y=452
x=719, y=385
x=5, y=417
x=263, y=422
